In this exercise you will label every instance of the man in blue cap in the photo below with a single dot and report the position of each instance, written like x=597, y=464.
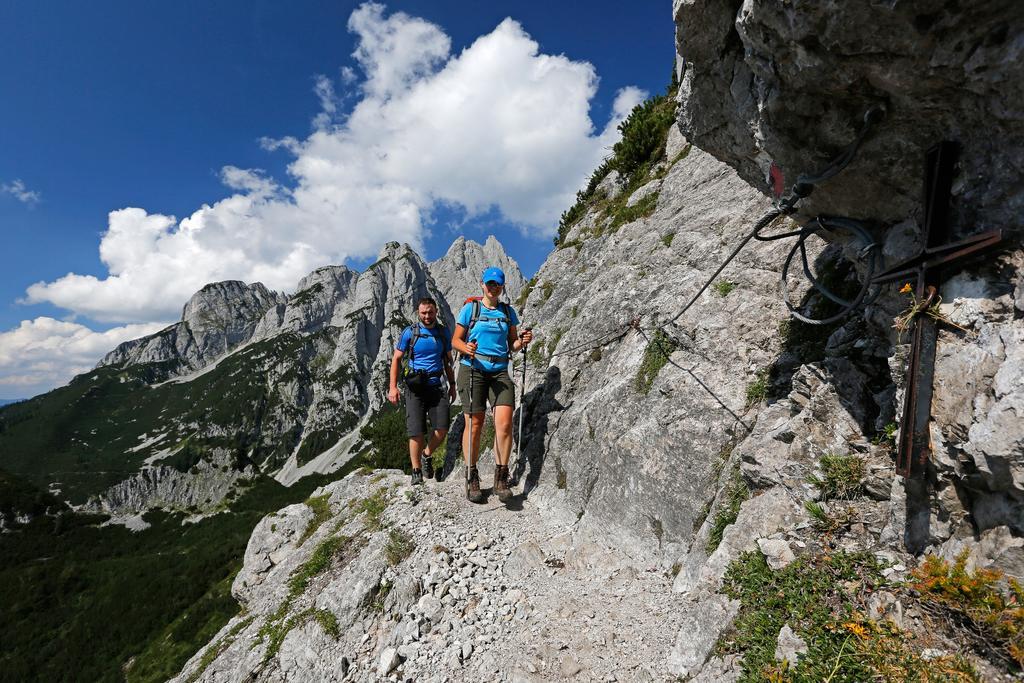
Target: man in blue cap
x=486, y=336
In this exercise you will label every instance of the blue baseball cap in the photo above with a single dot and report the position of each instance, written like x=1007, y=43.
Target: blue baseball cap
x=493, y=274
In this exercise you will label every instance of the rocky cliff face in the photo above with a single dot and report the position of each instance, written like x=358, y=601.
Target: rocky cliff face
x=788, y=83
x=763, y=83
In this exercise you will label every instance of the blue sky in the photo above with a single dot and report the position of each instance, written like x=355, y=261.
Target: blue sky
x=331, y=126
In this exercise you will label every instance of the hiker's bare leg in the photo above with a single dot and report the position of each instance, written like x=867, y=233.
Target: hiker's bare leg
x=502, y=434
x=472, y=452
x=436, y=438
x=415, y=448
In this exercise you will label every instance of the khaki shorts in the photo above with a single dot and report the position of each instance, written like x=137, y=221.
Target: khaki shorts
x=496, y=388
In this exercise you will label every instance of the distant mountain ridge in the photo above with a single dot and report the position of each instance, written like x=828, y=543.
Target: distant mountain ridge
x=8, y=401
x=249, y=382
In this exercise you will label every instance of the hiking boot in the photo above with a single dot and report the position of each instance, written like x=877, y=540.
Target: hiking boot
x=417, y=478
x=473, y=492
x=428, y=466
x=501, y=483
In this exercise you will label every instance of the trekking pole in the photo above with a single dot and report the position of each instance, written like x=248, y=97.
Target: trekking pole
x=522, y=406
x=468, y=455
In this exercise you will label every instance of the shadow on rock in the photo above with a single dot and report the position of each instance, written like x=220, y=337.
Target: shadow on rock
x=538, y=404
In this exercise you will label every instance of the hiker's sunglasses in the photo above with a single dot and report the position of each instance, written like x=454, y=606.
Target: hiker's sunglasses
x=492, y=284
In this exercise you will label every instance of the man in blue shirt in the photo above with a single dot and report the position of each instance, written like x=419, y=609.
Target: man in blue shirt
x=429, y=347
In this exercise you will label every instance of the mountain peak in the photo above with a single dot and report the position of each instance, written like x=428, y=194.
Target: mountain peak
x=394, y=250
x=458, y=272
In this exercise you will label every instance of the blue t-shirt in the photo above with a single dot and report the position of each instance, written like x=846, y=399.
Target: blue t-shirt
x=428, y=354
x=490, y=333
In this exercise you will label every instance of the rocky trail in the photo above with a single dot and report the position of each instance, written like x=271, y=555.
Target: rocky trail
x=430, y=587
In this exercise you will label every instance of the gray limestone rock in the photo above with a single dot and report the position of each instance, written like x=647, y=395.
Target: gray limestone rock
x=788, y=83
x=200, y=489
x=217, y=319
x=389, y=661
x=458, y=271
x=703, y=623
x=789, y=646
x=776, y=552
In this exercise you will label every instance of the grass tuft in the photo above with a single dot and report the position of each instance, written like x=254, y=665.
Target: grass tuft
x=398, y=547
x=373, y=507
x=842, y=477
x=318, y=561
x=757, y=390
x=723, y=287
x=735, y=493
x=321, y=508
x=656, y=355
x=328, y=622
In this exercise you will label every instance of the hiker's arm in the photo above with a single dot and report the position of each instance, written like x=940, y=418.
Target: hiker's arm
x=459, y=342
x=449, y=372
x=515, y=341
x=396, y=363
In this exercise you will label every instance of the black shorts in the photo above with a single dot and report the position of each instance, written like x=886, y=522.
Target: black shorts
x=431, y=401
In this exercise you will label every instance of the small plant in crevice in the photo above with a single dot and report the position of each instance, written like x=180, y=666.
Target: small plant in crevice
x=730, y=501
x=621, y=213
x=398, y=547
x=328, y=622
x=656, y=355
x=380, y=596
x=933, y=309
x=723, y=287
x=535, y=355
x=842, y=477
x=820, y=519
x=547, y=289
x=373, y=507
x=525, y=293
x=321, y=513
x=757, y=390
x=702, y=516
x=886, y=437
x=553, y=340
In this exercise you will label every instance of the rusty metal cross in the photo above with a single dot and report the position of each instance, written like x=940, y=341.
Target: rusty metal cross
x=927, y=270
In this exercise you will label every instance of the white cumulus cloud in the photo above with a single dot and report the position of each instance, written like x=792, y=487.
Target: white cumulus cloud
x=500, y=125
x=42, y=353
x=16, y=188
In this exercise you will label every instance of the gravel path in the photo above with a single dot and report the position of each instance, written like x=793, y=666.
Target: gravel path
x=508, y=596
